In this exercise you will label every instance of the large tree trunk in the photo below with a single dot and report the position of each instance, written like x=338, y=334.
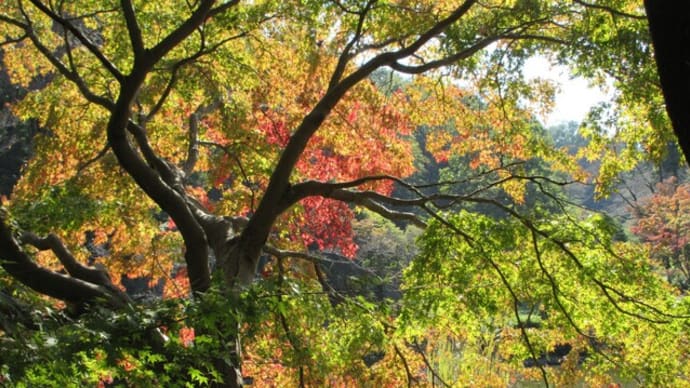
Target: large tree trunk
x=669, y=24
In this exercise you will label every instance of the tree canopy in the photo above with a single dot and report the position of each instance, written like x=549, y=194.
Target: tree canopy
x=227, y=154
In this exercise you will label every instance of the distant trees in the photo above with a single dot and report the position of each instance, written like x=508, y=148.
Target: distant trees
x=663, y=223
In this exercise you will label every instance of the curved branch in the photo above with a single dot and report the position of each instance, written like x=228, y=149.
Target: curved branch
x=368, y=199
x=71, y=289
x=362, y=199
x=468, y=52
x=9, y=41
x=449, y=60
x=73, y=267
x=156, y=183
x=177, y=66
x=14, y=22
x=198, y=17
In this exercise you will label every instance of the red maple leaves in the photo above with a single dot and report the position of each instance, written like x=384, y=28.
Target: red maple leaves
x=664, y=220
x=364, y=141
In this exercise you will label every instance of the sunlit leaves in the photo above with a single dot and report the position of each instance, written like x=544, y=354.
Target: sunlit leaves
x=221, y=108
x=552, y=273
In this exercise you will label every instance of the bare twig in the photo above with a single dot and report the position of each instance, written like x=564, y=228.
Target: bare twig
x=89, y=162
x=90, y=46
x=346, y=54
x=420, y=351
x=611, y=10
x=410, y=377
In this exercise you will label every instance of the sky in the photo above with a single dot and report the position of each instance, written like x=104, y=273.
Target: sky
x=575, y=96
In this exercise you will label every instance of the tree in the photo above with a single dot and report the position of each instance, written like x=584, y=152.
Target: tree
x=662, y=223
x=223, y=132
x=668, y=27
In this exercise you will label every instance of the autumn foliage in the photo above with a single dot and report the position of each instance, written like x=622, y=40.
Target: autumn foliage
x=186, y=216
x=663, y=223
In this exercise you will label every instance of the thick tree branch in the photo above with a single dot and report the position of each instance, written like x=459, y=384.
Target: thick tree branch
x=468, y=52
x=10, y=41
x=14, y=22
x=368, y=199
x=340, y=191
x=151, y=181
x=167, y=172
x=434, y=31
x=177, y=66
x=449, y=60
x=193, y=134
x=163, y=183
x=361, y=199
x=198, y=17
x=156, y=181
x=71, y=289
x=132, y=27
x=226, y=5
x=160, y=182
x=73, y=267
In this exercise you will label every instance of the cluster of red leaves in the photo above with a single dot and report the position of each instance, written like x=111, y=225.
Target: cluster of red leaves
x=187, y=336
x=664, y=220
x=274, y=130
x=327, y=224
x=103, y=382
x=178, y=286
x=369, y=133
x=363, y=136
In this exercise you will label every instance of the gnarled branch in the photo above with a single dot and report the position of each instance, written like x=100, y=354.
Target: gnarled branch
x=19, y=264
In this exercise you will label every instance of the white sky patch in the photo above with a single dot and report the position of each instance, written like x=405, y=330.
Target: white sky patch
x=574, y=97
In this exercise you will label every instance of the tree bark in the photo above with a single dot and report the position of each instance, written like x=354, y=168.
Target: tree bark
x=669, y=25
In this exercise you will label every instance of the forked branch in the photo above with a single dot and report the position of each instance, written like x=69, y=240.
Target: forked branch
x=20, y=265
